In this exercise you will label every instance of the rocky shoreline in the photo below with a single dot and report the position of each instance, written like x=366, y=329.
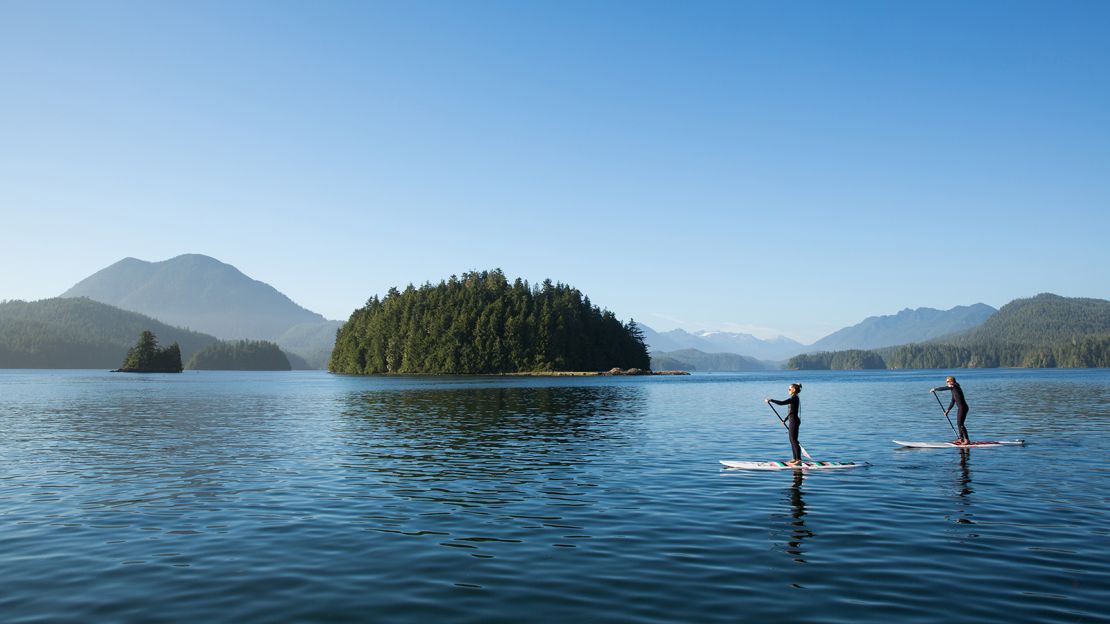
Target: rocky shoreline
x=612, y=372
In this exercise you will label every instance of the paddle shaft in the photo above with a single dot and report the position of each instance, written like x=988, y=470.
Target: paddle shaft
x=783, y=421
x=946, y=415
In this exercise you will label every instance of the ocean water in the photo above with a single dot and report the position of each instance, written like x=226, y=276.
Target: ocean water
x=308, y=497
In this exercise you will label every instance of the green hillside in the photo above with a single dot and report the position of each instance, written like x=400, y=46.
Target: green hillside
x=1044, y=320
x=1046, y=331
x=79, y=333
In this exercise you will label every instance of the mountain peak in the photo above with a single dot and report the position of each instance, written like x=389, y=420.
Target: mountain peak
x=196, y=291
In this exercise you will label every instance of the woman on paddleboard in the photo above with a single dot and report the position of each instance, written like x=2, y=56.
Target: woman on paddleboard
x=793, y=421
x=961, y=407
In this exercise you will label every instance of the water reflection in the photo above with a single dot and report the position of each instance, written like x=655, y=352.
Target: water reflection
x=797, y=525
x=484, y=468
x=963, y=512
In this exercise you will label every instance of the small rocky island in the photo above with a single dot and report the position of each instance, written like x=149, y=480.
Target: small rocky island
x=148, y=357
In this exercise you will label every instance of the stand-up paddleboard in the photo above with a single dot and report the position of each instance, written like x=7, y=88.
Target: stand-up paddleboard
x=983, y=444
x=778, y=465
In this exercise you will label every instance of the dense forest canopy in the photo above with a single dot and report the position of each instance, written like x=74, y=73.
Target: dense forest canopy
x=479, y=324
x=1046, y=331
x=147, y=357
x=257, y=355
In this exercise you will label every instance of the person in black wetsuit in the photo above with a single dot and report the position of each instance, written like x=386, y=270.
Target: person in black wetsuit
x=793, y=421
x=960, y=402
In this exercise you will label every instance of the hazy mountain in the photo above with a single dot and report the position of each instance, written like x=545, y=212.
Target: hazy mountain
x=779, y=348
x=694, y=360
x=904, y=327
x=207, y=295
x=197, y=292
x=80, y=333
x=312, y=342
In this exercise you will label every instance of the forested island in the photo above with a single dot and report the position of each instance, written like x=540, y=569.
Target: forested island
x=480, y=323
x=1046, y=331
x=245, y=355
x=147, y=357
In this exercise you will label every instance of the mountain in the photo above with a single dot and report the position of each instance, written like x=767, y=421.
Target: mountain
x=774, y=349
x=80, y=333
x=1043, y=320
x=207, y=295
x=904, y=327
x=198, y=292
x=311, y=342
x=1046, y=331
x=694, y=360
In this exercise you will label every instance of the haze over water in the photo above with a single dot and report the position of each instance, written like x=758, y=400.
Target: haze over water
x=275, y=497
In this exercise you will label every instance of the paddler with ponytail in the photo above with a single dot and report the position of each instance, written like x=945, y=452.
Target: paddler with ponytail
x=793, y=421
x=961, y=407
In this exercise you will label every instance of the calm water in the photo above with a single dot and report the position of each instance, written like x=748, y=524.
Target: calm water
x=276, y=497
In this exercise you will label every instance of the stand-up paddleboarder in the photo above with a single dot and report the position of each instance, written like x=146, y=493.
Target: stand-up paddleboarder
x=793, y=421
x=960, y=402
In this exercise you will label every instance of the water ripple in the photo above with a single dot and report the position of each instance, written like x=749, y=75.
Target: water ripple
x=308, y=497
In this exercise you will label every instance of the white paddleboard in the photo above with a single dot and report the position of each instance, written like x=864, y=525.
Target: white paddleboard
x=983, y=444
x=777, y=465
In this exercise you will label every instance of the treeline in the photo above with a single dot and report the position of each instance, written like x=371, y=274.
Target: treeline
x=259, y=355
x=147, y=357
x=480, y=324
x=854, y=359
x=1086, y=352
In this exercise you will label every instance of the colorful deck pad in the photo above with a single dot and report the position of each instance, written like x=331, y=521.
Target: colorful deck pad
x=982, y=444
x=778, y=465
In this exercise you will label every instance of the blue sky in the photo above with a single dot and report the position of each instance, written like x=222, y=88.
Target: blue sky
x=772, y=168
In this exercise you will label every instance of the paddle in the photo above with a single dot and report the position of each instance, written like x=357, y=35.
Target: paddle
x=783, y=421
x=945, y=414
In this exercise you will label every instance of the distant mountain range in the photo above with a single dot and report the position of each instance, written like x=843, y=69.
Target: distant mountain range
x=1046, y=331
x=694, y=360
x=774, y=349
x=873, y=332
x=907, y=326
x=206, y=295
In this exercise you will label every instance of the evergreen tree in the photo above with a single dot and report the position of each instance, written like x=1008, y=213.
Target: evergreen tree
x=147, y=357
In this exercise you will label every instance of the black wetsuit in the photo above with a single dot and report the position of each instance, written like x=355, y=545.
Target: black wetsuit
x=961, y=407
x=793, y=421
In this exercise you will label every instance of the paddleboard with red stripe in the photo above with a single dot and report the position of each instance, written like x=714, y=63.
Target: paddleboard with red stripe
x=980, y=444
x=778, y=465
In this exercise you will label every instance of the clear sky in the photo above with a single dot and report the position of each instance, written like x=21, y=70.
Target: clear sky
x=768, y=167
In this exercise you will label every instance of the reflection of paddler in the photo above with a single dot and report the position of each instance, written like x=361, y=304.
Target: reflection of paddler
x=798, y=510
x=960, y=402
x=793, y=421
x=965, y=473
